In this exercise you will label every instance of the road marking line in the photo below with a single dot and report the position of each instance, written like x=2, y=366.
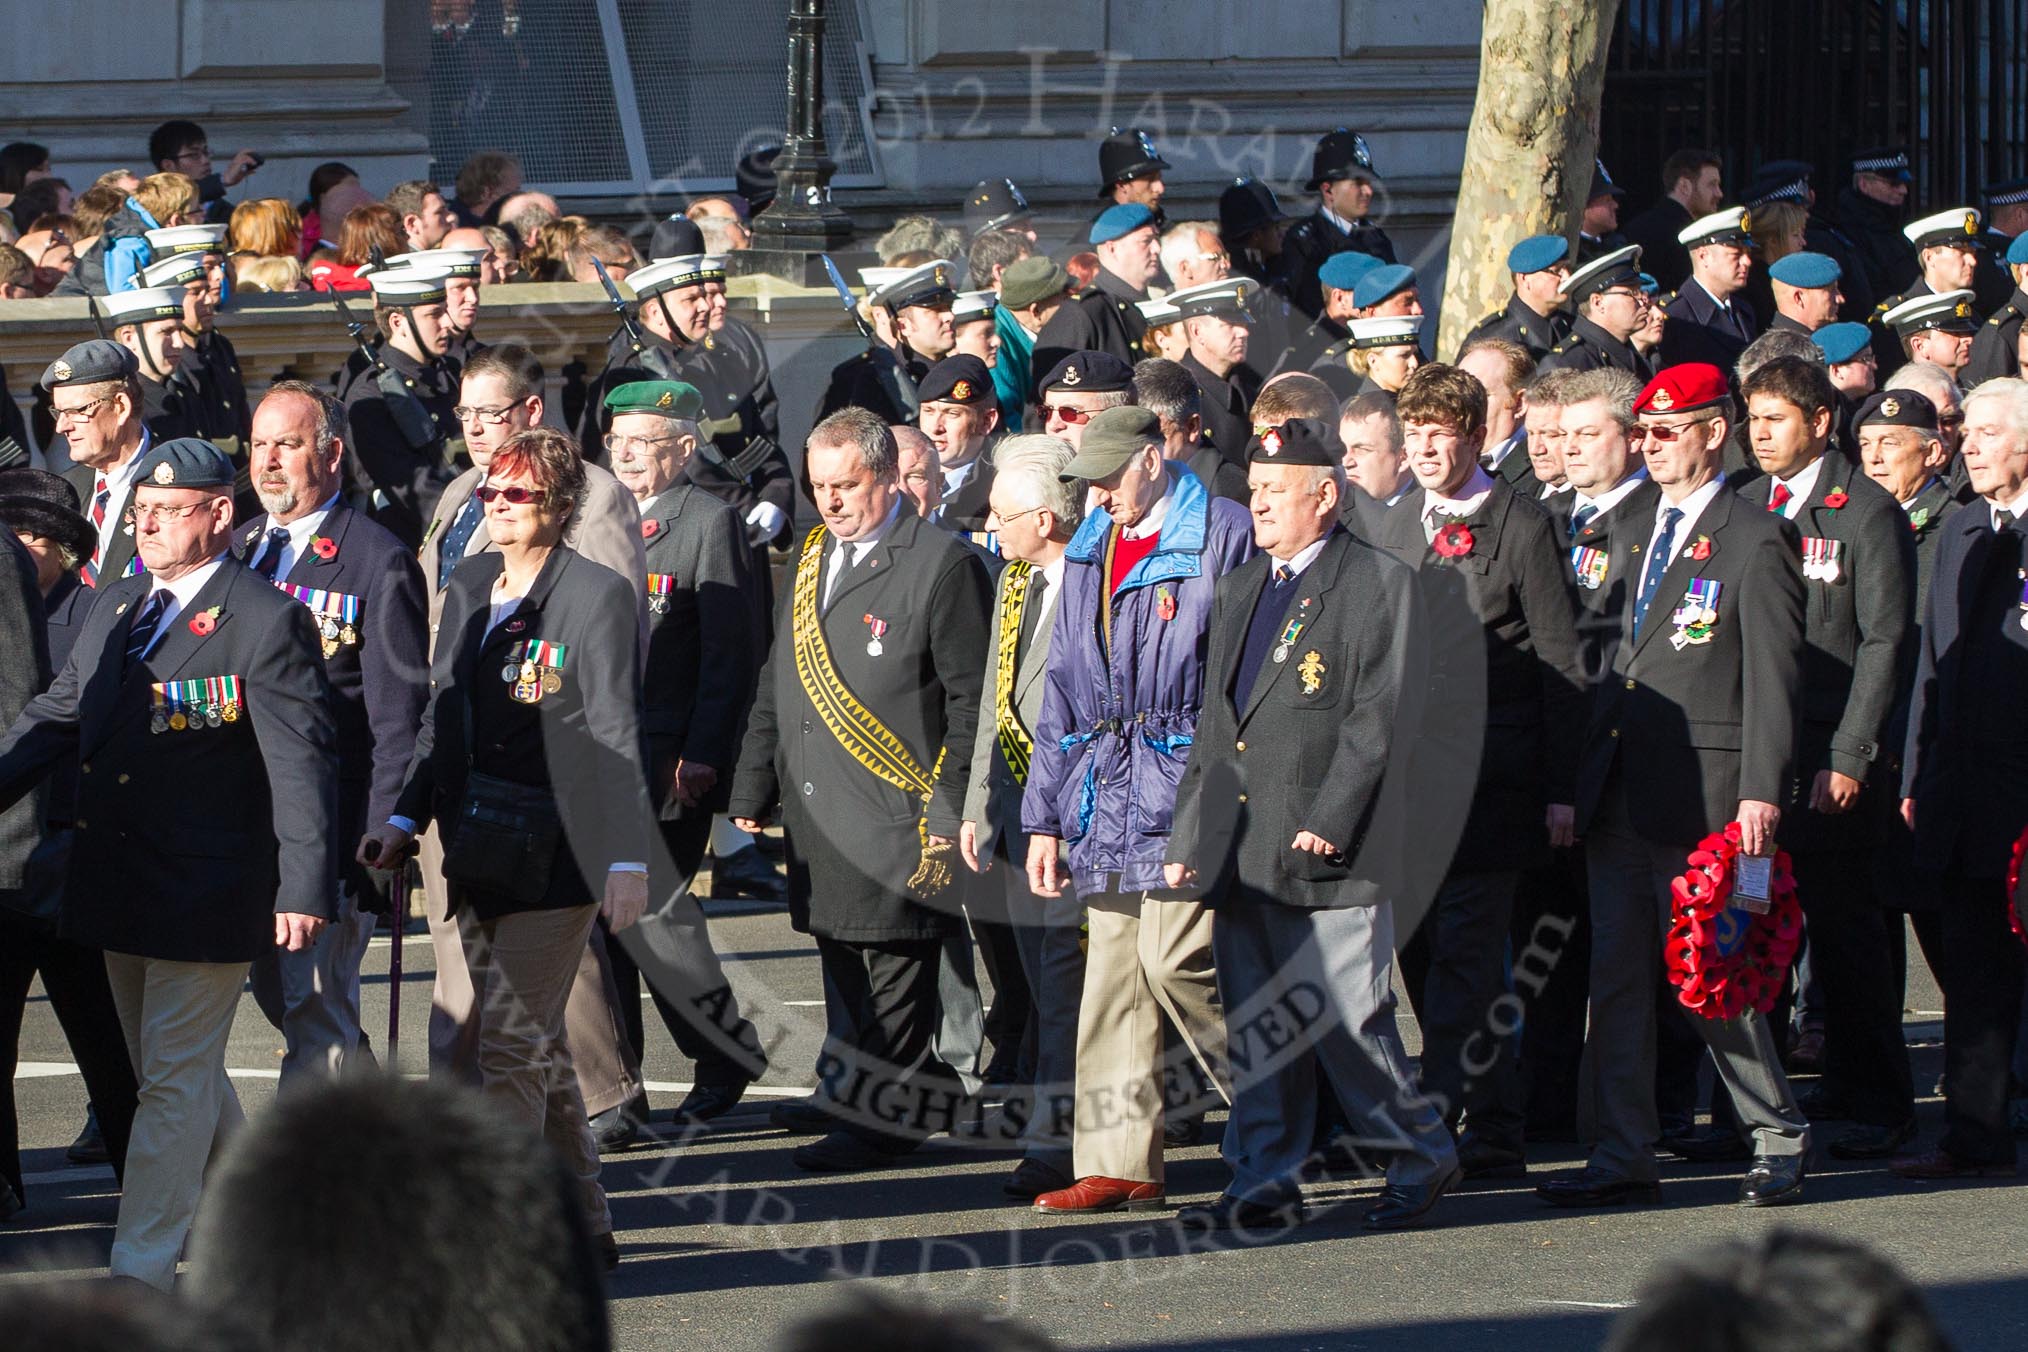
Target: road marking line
x=1591, y=1304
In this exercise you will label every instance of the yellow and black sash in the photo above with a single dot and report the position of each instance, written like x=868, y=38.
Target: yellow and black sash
x=865, y=738
x=1015, y=742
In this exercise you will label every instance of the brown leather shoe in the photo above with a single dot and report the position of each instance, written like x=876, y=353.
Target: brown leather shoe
x=1101, y=1194
x=1939, y=1165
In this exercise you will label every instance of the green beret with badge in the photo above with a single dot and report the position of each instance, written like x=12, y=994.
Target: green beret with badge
x=664, y=398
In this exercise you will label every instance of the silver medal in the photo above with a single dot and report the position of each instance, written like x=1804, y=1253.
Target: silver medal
x=874, y=649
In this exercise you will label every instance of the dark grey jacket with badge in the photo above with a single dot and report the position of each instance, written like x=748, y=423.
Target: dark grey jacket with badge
x=1859, y=652
x=1103, y=317
x=189, y=841
x=852, y=837
x=1313, y=746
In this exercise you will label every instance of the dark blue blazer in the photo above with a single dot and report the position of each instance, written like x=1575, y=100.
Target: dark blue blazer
x=378, y=683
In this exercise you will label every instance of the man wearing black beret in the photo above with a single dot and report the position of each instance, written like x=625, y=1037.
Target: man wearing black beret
x=959, y=414
x=1270, y=820
x=1079, y=387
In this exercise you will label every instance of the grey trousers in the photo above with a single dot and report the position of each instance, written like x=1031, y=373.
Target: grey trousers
x=1630, y=907
x=1309, y=988
x=312, y=995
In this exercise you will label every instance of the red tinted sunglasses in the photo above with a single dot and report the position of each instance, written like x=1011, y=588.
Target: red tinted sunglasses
x=1073, y=416
x=515, y=494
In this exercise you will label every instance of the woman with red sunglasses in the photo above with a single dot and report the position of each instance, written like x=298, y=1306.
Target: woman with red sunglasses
x=529, y=761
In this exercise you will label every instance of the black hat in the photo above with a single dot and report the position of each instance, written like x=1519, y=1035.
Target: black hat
x=1099, y=372
x=1779, y=181
x=674, y=238
x=1340, y=154
x=89, y=363
x=41, y=503
x=958, y=379
x=1299, y=441
x=1886, y=161
x=2006, y=194
x=1245, y=206
x=994, y=204
x=184, y=462
x=1127, y=154
x=755, y=174
x=1602, y=184
x=1897, y=408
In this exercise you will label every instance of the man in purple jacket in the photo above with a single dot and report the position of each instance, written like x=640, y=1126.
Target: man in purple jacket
x=1125, y=682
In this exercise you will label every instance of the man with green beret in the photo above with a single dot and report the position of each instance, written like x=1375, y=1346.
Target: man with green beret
x=198, y=671
x=1031, y=290
x=707, y=632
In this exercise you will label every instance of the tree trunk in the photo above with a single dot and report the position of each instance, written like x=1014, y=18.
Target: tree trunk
x=1529, y=153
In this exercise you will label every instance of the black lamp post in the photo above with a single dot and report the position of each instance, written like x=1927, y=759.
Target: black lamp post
x=803, y=218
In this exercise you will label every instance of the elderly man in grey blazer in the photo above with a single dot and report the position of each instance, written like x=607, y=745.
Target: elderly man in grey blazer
x=1035, y=513
x=502, y=395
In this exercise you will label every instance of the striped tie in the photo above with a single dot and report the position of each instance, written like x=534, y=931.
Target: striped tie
x=102, y=493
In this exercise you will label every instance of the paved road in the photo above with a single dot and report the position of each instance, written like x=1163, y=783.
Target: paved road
x=725, y=1240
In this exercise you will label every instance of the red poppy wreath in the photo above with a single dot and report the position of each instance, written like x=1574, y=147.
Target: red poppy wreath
x=1724, y=961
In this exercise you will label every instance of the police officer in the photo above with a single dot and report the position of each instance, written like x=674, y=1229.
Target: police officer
x=406, y=442
x=1789, y=181
x=1534, y=315
x=1250, y=222
x=1937, y=329
x=684, y=338
x=1130, y=172
x=996, y=204
x=2006, y=220
x=1609, y=308
x=1947, y=255
x=1105, y=316
x=883, y=379
x=1710, y=319
x=1995, y=350
x=1807, y=292
x=1870, y=211
x=148, y=322
x=1343, y=177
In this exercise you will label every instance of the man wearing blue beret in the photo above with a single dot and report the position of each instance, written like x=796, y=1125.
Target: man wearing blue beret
x=1337, y=280
x=1105, y=316
x=1807, y=294
x=1994, y=350
x=1534, y=316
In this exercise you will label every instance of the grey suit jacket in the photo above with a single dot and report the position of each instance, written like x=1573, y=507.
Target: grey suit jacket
x=993, y=798
x=605, y=529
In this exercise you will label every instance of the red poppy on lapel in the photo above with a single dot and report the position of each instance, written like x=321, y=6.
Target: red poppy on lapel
x=1700, y=548
x=1836, y=498
x=1454, y=541
x=515, y=625
x=649, y=529
x=324, y=547
x=204, y=621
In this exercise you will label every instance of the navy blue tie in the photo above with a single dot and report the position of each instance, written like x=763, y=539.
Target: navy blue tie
x=1658, y=564
x=142, y=634
x=1579, y=519
x=270, y=561
x=455, y=539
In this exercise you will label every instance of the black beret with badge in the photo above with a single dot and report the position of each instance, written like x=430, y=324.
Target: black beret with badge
x=91, y=362
x=1897, y=408
x=1098, y=372
x=960, y=378
x=1299, y=441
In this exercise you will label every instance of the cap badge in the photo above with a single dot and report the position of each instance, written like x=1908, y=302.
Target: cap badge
x=1271, y=442
x=60, y=369
x=1663, y=400
x=666, y=401
x=1147, y=146
x=1890, y=407
x=1070, y=376
x=1962, y=310
x=1746, y=220
x=941, y=278
x=962, y=391
x=165, y=473
x=1971, y=222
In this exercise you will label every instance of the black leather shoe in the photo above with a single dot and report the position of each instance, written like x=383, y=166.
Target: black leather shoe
x=1400, y=1208
x=90, y=1145
x=1032, y=1178
x=1871, y=1141
x=1709, y=1147
x=10, y=1201
x=706, y=1101
x=1482, y=1159
x=618, y=1128
x=801, y=1117
x=1821, y=1105
x=1596, y=1187
x=748, y=873
x=1237, y=1213
x=841, y=1152
x=1182, y=1131
x=1773, y=1180
x=609, y=1250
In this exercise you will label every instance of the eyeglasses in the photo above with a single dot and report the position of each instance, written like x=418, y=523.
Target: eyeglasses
x=513, y=493
x=642, y=445
x=493, y=416
x=194, y=153
x=151, y=515
x=1670, y=431
x=82, y=411
x=1950, y=420
x=1074, y=416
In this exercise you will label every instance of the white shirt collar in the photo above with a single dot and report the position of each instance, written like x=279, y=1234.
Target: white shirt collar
x=1615, y=495
x=300, y=530
x=1471, y=495
x=2019, y=506
x=1801, y=485
x=1692, y=507
x=1721, y=304
x=1052, y=573
x=1334, y=218
x=1304, y=557
x=871, y=538
x=182, y=592
x=1517, y=439
x=1151, y=524
x=1407, y=487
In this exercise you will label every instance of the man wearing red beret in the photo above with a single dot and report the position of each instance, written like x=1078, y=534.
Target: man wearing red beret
x=1694, y=728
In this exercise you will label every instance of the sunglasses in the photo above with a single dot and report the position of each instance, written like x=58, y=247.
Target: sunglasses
x=513, y=493
x=1670, y=431
x=1076, y=417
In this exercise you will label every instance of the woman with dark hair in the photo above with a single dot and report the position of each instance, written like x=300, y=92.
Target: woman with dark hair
x=529, y=761
x=364, y=227
x=323, y=179
x=40, y=511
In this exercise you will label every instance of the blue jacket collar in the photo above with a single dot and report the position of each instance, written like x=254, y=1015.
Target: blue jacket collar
x=1176, y=553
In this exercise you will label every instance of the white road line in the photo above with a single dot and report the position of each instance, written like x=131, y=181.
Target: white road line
x=1591, y=1304
x=804, y=1004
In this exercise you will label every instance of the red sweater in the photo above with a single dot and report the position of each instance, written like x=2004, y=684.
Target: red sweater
x=1128, y=552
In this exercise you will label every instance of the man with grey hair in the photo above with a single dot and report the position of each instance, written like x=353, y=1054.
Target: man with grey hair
x=1035, y=512
x=882, y=645
x=365, y=591
x=1938, y=386
x=1192, y=254
x=1964, y=792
